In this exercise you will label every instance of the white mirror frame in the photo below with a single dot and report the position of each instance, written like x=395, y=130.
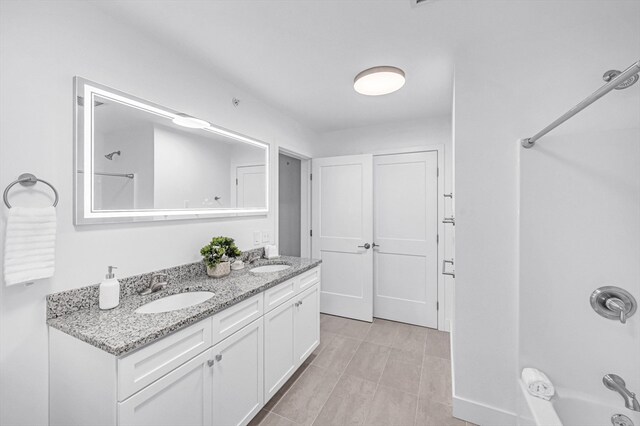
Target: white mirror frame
x=84, y=211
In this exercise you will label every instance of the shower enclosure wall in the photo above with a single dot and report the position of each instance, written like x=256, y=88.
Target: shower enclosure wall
x=580, y=230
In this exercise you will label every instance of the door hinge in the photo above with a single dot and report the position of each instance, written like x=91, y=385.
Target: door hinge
x=311, y=232
x=437, y=238
x=311, y=176
x=438, y=171
x=437, y=306
x=236, y=181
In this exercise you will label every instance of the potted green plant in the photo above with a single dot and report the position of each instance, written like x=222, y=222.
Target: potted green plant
x=217, y=256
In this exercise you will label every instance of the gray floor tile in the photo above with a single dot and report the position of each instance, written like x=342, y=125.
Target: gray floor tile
x=438, y=344
x=278, y=396
x=337, y=353
x=391, y=407
x=408, y=357
x=308, y=394
x=266, y=418
x=345, y=327
x=435, y=414
x=348, y=404
x=325, y=339
x=368, y=362
x=411, y=338
x=382, y=332
x=435, y=383
x=401, y=375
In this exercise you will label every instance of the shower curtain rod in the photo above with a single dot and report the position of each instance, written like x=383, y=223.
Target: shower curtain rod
x=612, y=84
x=127, y=175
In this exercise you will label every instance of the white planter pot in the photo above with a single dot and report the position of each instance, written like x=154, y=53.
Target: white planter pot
x=222, y=269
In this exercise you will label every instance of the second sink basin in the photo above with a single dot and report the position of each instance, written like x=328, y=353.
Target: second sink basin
x=175, y=302
x=269, y=268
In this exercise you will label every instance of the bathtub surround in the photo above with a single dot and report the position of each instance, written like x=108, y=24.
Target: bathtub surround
x=122, y=330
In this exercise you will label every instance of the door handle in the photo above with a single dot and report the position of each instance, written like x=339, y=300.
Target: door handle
x=218, y=357
x=444, y=266
x=451, y=220
x=375, y=245
x=366, y=246
x=210, y=363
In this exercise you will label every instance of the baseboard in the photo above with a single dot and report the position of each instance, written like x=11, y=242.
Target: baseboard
x=482, y=414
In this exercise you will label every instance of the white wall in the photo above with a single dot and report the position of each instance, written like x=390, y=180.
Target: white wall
x=43, y=45
x=527, y=66
x=426, y=132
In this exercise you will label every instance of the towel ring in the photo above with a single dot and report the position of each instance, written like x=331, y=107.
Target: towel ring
x=27, y=179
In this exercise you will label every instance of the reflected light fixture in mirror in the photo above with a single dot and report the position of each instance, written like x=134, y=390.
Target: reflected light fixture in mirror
x=378, y=81
x=186, y=120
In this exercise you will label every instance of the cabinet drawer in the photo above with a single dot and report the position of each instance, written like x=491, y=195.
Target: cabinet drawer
x=237, y=316
x=308, y=279
x=144, y=366
x=275, y=296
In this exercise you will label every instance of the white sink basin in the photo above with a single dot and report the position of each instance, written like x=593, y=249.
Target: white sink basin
x=270, y=268
x=175, y=302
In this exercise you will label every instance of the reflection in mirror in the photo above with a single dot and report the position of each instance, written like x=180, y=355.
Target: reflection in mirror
x=143, y=165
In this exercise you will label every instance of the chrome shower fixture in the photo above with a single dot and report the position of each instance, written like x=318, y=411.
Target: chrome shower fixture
x=110, y=155
x=611, y=74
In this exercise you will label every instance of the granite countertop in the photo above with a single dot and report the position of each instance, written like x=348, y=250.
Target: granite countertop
x=121, y=330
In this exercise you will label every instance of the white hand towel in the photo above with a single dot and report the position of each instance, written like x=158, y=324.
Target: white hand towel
x=29, y=247
x=538, y=384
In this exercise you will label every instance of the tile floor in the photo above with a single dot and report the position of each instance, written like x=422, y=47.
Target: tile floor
x=382, y=373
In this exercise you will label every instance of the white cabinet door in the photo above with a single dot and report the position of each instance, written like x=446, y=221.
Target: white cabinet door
x=182, y=397
x=238, y=376
x=279, y=360
x=342, y=234
x=306, y=323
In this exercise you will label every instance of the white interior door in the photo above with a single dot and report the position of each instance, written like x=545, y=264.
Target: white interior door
x=250, y=187
x=342, y=229
x=405, y=234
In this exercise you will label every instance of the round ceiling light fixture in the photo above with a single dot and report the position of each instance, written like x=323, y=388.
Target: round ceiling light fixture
x=186, y=120
x=379, y=81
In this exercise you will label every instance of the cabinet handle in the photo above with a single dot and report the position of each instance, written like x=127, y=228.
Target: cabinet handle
x=300, y=302
x=210, y=363
x=219, y=357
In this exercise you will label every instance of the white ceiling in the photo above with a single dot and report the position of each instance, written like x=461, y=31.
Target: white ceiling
x=301, y=56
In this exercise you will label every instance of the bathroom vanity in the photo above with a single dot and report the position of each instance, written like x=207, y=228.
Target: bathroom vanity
x=214, y=363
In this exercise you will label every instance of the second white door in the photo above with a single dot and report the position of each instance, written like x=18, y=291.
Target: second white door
x=405, y=255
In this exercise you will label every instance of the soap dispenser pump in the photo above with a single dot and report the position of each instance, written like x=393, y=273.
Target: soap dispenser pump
x=109, y=290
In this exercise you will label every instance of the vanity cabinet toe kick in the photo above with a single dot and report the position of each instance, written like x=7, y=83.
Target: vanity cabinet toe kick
x=219, y=371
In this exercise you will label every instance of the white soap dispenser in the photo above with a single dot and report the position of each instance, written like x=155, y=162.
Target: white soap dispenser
x=109, y=290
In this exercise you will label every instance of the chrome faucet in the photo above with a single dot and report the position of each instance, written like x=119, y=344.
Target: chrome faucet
x=253, y=259
x=155, y=285
x=616, y=383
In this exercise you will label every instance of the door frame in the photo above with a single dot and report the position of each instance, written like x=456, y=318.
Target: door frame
x=305, y=200
x=440, y=149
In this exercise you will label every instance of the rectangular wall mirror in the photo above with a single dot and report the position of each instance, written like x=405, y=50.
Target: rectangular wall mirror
x=139, y=161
